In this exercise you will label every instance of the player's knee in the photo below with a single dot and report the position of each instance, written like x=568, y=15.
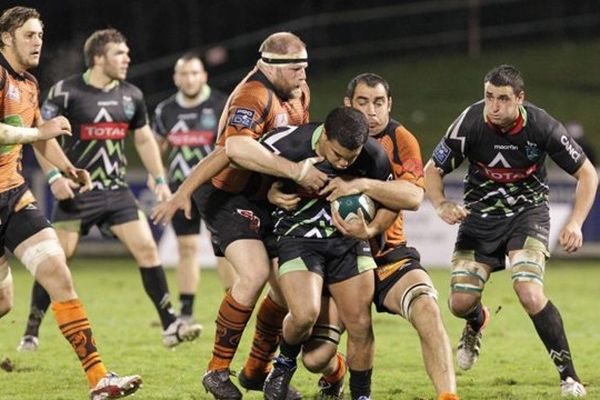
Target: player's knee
x=47, y=254
x=360, y=327
x=321, y=348
x=6, y=282
x=187, y=250
x=467, y=281
x=527, y=266
x=146, y=253
x=531, y=296
x=418, y=298
x=304, y=320
x=461, y=304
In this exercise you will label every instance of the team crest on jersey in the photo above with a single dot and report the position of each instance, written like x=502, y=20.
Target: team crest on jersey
x=49, y=110
x=128, y=107
x=242, y=118
x=208, y=119
x=281, y=120
x=532, y=151
x=441, y=152
x=13, y=93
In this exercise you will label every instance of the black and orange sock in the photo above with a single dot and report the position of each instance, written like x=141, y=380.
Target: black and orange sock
x=340, y=371
x=75, y=327
x=267, y=336
x=155, y=284
x=231, y=321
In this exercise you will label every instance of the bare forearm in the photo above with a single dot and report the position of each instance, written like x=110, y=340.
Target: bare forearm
x=434, y=185
x=208, y=167
x=384, y=218
x=17, y=135
x=249, y=154
x=50, y=155
x=149, y=153
x=396, y=195
x=585, y=193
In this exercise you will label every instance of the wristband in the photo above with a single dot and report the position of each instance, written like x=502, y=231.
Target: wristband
x=159, y=180
x=53, y=175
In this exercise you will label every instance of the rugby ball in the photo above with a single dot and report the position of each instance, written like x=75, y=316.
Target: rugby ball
x=348, y=206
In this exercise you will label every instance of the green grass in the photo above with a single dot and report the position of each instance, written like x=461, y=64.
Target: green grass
x=514, y=364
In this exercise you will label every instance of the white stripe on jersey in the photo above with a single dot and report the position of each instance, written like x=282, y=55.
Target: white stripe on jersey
x=272, y=139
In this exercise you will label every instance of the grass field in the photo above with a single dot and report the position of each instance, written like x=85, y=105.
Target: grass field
x=514, y=364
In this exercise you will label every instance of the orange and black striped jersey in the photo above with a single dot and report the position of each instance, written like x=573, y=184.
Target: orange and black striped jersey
x=254, y=108
x=404, y=153
x=18, y=107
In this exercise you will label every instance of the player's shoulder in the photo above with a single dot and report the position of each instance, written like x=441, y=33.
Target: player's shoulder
x=538, y=116
x=131, y=89
x=166, y=103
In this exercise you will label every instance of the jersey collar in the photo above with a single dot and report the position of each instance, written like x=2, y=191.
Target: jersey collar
x=4, y=63
x=86, y=79
x=204, y=95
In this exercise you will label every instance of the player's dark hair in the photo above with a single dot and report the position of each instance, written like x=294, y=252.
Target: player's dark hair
x=190, y=55
x=95, y=45
x=506, y=75
x=348, y=126
x=14, y=18
x=371, y=80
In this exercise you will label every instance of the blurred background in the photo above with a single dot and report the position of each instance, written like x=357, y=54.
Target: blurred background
x=434, y=53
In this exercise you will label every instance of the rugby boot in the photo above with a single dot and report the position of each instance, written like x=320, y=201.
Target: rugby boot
x=278, y=381
x=258, y=383
x=571, y=388
x=113, y=386
x=179, y=331
x=220, y=386
x=469, y=344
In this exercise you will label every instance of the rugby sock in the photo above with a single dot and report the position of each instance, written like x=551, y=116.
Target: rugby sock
x=267, y=336
x=40, y=301
x=187, y=304
x=549, y=326
x=289, y=352
x=75, y=327
x=155, y=284
x=476, y=318
x=360, y=383
x=448, y=396
x=231, y=321
x=340, y=371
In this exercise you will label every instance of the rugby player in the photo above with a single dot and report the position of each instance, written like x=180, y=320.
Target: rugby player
x=505, y=211
x=312, y=253
x=103, y=108
x=236, y=212
x=23, y=228
x=402, y=286
x=185, y=125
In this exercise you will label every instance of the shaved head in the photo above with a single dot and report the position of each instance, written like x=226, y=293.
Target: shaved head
x=282, y=43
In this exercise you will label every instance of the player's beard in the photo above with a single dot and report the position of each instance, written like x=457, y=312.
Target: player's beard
x=27, y=61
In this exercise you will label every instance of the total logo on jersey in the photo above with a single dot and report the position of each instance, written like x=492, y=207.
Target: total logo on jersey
x=181, y=135
x=108, y=130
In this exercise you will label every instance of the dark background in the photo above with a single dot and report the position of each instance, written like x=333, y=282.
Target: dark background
x=338, y=33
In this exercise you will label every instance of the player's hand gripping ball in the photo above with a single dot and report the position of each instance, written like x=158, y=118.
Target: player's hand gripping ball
x=348, y=206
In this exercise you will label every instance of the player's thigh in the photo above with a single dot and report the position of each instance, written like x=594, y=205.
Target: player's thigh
x=45, y=259
x=137, y=237
x=412, y=286
x=250, y=260
x=187, y=245
x=353, y=298
x=6, y=287
x=302, y=291
x=69, y=240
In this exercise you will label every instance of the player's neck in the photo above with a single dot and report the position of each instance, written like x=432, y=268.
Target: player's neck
x=13, y=62
x=98, y=79
x=189, y=102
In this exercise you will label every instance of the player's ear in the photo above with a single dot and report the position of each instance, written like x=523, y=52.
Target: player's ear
x=390, y=104
x=347, y=102
x=6, y=38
